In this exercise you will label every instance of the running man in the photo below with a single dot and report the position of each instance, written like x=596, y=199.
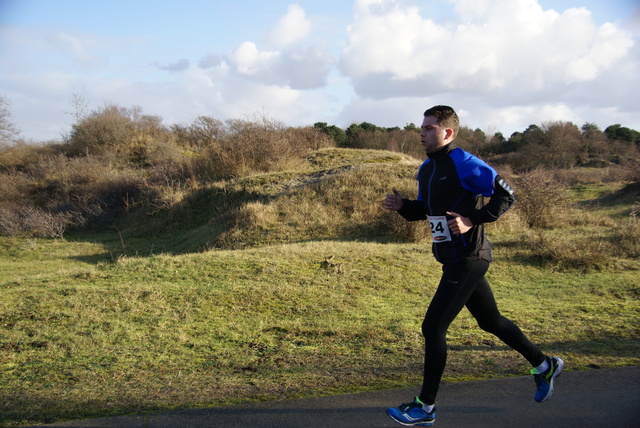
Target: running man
x=451, y=187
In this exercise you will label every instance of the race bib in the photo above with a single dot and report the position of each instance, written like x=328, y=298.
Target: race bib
x=439, y=230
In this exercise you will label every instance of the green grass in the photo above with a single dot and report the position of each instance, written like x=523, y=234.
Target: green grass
x=609, y=198
x=85, y=333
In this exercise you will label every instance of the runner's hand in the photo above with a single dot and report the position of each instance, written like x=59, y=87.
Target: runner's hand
x=393, y=201
x=459, y=224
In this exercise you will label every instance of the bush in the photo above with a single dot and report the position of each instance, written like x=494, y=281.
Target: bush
x=203, y=132
x=106, y=129
x=56, y=193
x=121, y=136
x=540, y=199
x=34, y=221
x=257, y=146
x=21, y=156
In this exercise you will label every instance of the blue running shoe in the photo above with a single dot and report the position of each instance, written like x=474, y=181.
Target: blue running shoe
x=544, y=381
x=412, y=414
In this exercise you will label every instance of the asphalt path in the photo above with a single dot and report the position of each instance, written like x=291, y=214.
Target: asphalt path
x=594, y=398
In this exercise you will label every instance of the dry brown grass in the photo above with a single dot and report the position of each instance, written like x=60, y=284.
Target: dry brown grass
x=338, y=203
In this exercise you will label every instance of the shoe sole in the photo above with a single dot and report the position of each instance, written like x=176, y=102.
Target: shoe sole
x=417, y=424
x=557, y=374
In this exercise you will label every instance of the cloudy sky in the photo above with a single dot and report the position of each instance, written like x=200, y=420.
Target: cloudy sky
x=502, y=64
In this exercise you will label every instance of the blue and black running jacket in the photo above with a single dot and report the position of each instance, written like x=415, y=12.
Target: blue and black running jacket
x=452, y=180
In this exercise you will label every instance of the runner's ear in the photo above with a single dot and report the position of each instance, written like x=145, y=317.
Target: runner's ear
x=448, y=133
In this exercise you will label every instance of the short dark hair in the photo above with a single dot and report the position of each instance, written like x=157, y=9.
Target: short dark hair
x=446, y=116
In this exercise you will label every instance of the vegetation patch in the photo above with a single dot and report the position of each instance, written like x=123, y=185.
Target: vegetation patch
x=147, y=268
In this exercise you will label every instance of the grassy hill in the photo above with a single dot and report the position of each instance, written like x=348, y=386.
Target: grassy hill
x=295, y=282
x=334, y=194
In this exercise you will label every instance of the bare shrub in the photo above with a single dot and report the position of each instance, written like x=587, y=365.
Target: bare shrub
x=213, y=164
x=14, y=186
x=203, y=132
x=47, y=224
x=407, y=142
x=309, y=139
x=565, y=145
x=610, y=174
x=555, y=145
x=625, y=240
x=10, y=221
x=60, y=180
x=397, y=140
x=540, y=198
x=632, y=172
x=370, y=139
x=120, y=191
x=247, y=149
x=260, y=145
x=8, y=131
x=33, y=221
x=257, y=146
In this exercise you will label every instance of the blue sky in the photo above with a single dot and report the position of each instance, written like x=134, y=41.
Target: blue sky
x=502, y=65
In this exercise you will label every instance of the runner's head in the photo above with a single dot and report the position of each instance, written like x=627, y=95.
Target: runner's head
x=439, y=128
x=446, y=117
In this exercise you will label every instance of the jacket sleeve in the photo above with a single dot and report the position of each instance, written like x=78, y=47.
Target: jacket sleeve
x=412, y=210
x=501, y=200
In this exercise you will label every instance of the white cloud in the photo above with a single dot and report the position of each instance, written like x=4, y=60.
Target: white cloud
x=497, y=47
x=291, y=28
x=303, y=67
x=248, y=61
x=224, y=94
x=385, y=38
x=293, y=64
x=246, y=80
x=513, y=60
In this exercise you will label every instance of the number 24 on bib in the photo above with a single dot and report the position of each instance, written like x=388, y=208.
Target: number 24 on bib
x=439, y=230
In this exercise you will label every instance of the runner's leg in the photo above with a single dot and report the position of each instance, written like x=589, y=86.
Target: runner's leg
x=482, y=306
x=456, y=286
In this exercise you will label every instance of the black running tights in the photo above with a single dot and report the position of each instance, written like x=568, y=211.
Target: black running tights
x=465, y=285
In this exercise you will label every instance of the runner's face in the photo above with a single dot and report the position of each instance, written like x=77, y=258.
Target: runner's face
x=432, y=136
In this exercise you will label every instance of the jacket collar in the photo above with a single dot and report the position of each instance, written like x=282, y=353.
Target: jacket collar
x=444, y=151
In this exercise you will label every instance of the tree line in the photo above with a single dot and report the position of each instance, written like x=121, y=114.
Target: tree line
x=551, y=145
